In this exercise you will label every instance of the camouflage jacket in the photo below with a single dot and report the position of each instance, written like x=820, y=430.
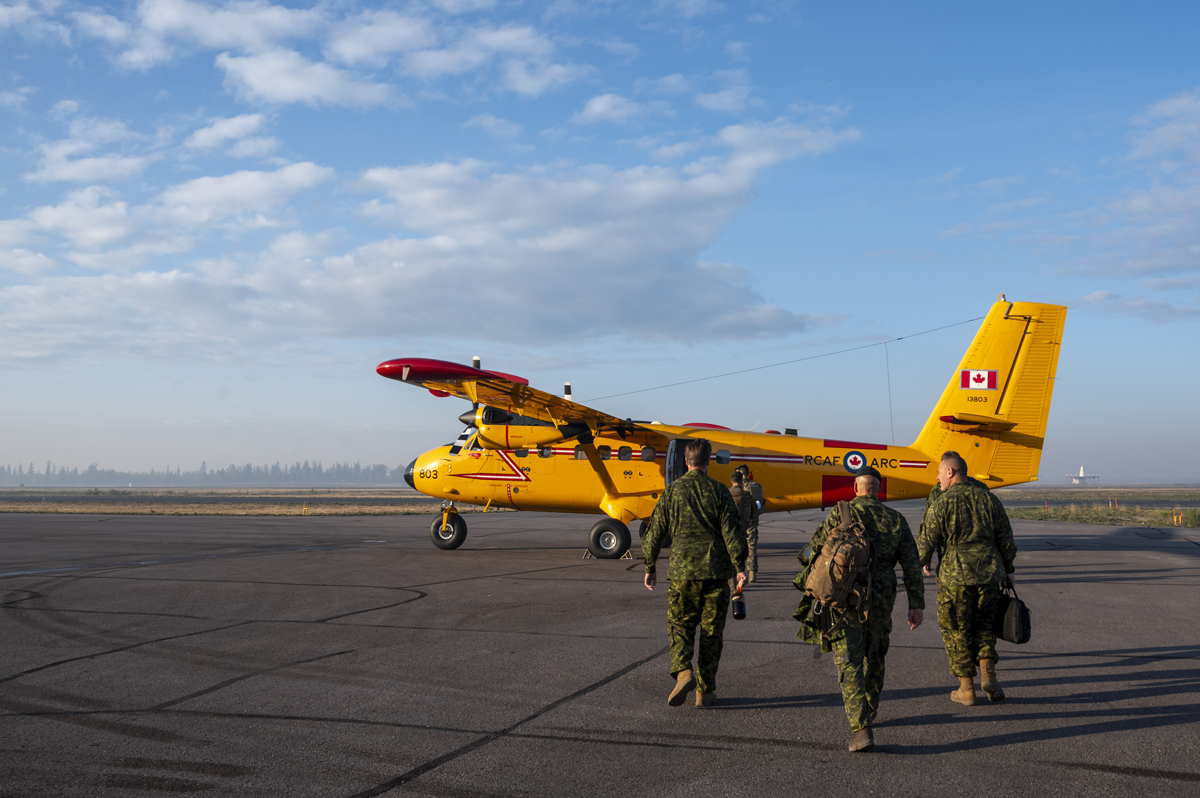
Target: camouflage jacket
x=937, y=491
x=968, y=528
x=756, y=493
x=744, y=503
x=894, y=544
x=697, y=513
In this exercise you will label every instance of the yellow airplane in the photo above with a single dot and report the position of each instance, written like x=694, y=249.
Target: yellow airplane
x=530, y=450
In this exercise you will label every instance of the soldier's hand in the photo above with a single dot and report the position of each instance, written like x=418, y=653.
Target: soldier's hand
x=926, y=571
x=1008, y=579
x=651, y=581
x=741, y=580
x=914, y=619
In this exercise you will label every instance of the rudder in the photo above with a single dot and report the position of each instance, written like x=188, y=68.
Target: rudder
x=994, y=409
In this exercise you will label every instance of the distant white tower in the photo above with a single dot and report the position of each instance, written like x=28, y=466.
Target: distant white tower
x=1082, y=478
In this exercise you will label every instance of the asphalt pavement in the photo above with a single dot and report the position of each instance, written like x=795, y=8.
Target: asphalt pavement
x=346, y=656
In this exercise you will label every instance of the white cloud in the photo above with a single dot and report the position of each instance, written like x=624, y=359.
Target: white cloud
x=220, y=131
x=254, y=147
x=737, y=50
x=15, y=99
x=103, y=26
x=464, y=6
x=735, y=95
x=61, y=161
x=24, y=261
x=246, y=195
x=373, y=37
x=688, y=9
x=476, y=47
x=606, y=108
x=284, y=76
x=532, y=79
x=501, y=128
x=1176, y=126
x=251, y=26
x=553, y=251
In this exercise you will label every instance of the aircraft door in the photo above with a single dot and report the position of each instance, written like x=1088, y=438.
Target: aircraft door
x=676, y=464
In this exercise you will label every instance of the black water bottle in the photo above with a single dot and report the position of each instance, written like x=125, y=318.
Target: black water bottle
x=739, y=606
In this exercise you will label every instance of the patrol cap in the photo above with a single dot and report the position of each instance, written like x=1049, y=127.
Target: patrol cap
x=867, y=471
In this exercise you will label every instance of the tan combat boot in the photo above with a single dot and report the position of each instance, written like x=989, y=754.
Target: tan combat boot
x=684, y=682
x=863, y=740
x=965, y=694
x=751, y=576
x=705, y=699
x=987, y=667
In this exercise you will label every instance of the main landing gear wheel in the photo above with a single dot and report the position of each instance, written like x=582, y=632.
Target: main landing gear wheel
x=609, y=539
x=451, y=535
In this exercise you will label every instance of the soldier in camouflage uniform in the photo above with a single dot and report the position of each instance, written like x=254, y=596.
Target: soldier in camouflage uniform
x=967, y=526
x=708, y=548
x=744, y=503
x=756, y=494
x=860, y=649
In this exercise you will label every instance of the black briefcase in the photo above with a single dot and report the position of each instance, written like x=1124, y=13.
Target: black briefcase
x=1012, y=617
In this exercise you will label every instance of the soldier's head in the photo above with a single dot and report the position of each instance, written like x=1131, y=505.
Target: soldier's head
x=951, y=470
x=697, y=453
x=745, y=469
x=737, y=479
x=867, y=482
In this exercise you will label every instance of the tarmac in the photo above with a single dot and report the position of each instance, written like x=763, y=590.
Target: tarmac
x=346, y=656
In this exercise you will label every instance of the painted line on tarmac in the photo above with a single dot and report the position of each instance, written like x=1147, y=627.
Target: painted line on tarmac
x=482, y=741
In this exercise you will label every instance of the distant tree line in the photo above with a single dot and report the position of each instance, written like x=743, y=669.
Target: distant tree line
x=305, y=473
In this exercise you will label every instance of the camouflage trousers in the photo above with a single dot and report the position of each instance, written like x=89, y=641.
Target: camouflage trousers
x=752, y=547
x=692, y=603
x=859, y=655
x=965, y=614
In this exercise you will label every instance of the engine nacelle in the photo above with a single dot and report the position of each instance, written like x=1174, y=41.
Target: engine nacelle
x=502, y=430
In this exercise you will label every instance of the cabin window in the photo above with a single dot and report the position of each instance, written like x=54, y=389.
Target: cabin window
x=649, y=455
x=475, y=445
x=605, y=452
x=624, y=453
x=521, y=452
x=545, y=451
x=580, y=454
x=723, y=457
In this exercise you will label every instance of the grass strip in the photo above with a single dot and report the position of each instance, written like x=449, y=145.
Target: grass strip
x=1109, y=516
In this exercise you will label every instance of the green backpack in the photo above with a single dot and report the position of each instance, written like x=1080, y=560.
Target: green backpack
x=839, y=578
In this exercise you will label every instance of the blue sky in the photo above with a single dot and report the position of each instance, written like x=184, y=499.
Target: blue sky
x=217, y=218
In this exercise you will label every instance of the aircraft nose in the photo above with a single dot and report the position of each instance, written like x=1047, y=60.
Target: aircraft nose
x=408, y=474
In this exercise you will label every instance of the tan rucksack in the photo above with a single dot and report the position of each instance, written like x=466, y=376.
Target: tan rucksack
x=840, y=577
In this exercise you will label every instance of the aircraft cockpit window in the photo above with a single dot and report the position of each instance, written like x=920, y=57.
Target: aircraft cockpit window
x=475, y=445
x=649, y=455
x=521, y=452
x=545, y=451
x=723, y=456
x=624, y=453
x=580, y=454
x=605, y=452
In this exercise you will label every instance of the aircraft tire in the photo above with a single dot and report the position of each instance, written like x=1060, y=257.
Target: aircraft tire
x=452, y=535
x=609, y=539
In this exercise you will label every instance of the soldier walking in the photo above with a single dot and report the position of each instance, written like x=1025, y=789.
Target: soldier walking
x=708, y=548
x=860, y=649
x=744, y=503
x=967, y=526
x=756, y=494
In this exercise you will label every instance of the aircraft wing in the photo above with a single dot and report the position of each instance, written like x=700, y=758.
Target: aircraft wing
x=513, y=394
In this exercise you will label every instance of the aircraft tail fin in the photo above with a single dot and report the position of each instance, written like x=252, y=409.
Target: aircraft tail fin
x=994, y=409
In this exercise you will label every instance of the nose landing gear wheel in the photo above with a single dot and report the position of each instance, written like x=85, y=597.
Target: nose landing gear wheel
x=450, y=536
x=609, y=539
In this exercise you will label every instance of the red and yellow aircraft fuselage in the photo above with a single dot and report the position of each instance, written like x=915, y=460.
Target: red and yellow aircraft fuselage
x=529, y=450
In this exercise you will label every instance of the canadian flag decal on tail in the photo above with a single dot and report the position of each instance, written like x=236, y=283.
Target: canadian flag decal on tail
x=976, y=380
